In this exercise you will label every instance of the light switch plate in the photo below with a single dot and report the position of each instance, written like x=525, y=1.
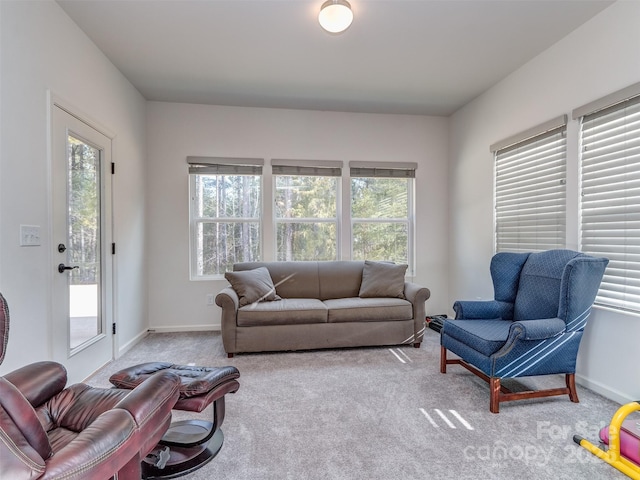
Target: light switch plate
x=29, y=235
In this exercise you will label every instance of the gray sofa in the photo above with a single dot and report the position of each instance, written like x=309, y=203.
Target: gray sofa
x=313, y=305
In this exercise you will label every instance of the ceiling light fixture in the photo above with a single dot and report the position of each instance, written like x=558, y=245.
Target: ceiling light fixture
x=335, y=16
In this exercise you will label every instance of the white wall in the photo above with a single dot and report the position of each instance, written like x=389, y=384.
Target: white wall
x=41, y=49
x=178, y=130
x=597, y=59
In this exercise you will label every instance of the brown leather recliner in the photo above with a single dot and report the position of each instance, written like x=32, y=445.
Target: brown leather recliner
x=48, y=431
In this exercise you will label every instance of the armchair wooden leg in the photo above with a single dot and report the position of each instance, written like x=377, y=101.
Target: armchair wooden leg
x=571, y=385
x=499, y=393
x=494, y=397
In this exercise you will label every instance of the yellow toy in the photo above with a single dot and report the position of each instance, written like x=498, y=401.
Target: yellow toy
x=612, y=455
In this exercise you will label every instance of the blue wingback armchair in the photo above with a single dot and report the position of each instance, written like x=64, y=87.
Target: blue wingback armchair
x=532, y=327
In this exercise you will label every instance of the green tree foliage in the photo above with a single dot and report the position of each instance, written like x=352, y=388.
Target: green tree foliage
x=228, y=219
x=379, y=198
x=374, y=200
x=380, y=241
x=306, y=216
x=228, y=207
x=84, y=211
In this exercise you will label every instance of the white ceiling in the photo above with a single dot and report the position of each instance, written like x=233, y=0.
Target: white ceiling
x=425, y=57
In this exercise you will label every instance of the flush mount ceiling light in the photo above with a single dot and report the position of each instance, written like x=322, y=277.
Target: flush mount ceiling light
x=335, y=16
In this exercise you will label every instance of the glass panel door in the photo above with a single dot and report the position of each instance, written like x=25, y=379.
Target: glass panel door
x=83, y=242
x=82, y=314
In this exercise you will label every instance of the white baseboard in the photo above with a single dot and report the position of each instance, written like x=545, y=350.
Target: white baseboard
x=177, y=328
x=132, y=343
x=185, y=328
x=604, y=390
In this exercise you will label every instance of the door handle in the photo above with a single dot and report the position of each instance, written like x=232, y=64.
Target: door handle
x=62, y=267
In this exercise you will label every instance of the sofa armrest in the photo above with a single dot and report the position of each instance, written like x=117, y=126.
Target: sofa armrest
x=98, y=451
x=227, y=299
x=39, y=381
x=482, y=310
x=417, y=295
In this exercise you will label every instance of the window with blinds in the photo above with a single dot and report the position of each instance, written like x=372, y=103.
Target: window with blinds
x=225, y=212
x=530, y=189
x=306, y=213
x=382, y=211
x=610, y=199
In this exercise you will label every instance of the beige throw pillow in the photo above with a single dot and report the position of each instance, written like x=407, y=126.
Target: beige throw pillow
x=252, y=285
x=382, y=279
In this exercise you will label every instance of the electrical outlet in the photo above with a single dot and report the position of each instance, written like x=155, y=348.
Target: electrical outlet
x=209, y=298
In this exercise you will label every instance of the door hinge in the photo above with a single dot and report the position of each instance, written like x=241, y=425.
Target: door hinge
x=113, y=248
x=113, y=168
x=113, y=328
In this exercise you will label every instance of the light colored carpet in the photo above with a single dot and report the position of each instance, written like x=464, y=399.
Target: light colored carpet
x=380, y=413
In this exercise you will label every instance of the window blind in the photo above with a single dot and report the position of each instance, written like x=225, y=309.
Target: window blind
x=382, y=169
x=610, y=199
x=319, y=168
x=530, y=192
x=225, y=166
x=314, y=171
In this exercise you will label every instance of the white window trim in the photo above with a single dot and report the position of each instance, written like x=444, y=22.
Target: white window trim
x=268, y=229
x=303, y=165
x=410, y=221
x=204, y=165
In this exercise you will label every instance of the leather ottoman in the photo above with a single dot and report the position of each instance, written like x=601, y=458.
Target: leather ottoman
x=188, y=444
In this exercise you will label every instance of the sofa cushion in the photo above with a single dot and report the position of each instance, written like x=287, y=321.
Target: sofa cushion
x=339, y=279
x=288, y=311
x=252, y=285
x=484, y=336
x=382, y=279
x=358, y=309
x=295, y=279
